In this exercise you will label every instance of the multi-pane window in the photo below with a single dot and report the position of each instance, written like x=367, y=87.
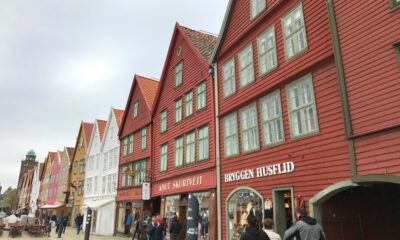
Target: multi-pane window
x=140, y=172
x=246, y=65
x=82, y=166
x=256, y=6
x=267, y=59
x=178, y=152
x=109, y=183
x=135, y=109
x=189, y=104
x=178, y=110
x=271, y=117
x=178, y=74
x=95, y=184
x=103, y=185
x=144, y=138
x=163, y=157
x=116, y=151
x=105, y=161
x=294, y=32
x=203, y=147
x=114, y=182
x=228, y=74
x=127, y=173
x=190, y=147
x=163, y=121
x=249, y=128
x=125, y=146
x=201, y=95
x=131, y=143
x=231, y=145
x=301, y=107
x=394, y=3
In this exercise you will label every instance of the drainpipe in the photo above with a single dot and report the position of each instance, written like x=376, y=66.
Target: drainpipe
x=214, y=76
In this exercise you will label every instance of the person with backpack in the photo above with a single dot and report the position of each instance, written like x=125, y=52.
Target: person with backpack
x=253, y=232
x=306, y=228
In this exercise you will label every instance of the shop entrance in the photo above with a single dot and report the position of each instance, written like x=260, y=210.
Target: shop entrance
x=283, y=209
x=364, y=212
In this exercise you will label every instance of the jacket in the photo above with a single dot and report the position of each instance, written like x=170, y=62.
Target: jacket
x=175, y=226
x=254, y=233
x=306, y=228
x=155, y=232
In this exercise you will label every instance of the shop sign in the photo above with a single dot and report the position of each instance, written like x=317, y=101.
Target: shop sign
x=263, y=171
x=146, y=191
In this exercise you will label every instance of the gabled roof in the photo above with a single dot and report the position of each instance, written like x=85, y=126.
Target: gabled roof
x=87, y=128
x=119, y=114
x=201, y=43
x=101, y=124
x=70, y=152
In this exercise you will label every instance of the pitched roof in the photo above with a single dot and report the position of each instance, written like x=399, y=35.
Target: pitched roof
x=149, y=89
x=102, y=127
x=119, y=114
x=87, y=128
x=204, y=42
x=70, y=152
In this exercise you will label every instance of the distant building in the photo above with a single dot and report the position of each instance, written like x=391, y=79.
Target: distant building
x=35, y=189
x=25, y=179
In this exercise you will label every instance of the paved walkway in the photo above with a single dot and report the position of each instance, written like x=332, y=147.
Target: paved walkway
x=70, y=234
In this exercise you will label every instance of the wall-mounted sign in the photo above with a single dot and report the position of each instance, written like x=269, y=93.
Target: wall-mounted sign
x=263, y=171
x=146, y=191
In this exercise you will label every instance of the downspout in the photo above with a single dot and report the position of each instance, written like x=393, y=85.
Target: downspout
x=217, y=158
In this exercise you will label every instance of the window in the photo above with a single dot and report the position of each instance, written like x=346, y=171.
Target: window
x=82, y=166
x=178, y=74
x=163, y=121
x=135, y=109
x=249, y=128
x=256, y=6
x=95, y=184
x=231, y=135
x=190, y=147
x=105, y=161
x=178, y=152
x=114, y=183
x=189, y=104
x=109, y=189
x=80, y=142
x=394, y=3
x=271, y=117
x=127, y=174
x=203, y=143
x=294, y=32
x=140, y=172
x=228, y=74
x=178, y=110
x=103, y=185
x=130, y=146
x=267, y=59
x=246, y=66
x=201, y=95
x=164, y=157
x=144, y=138
x=115, y=162
x=125, y=150
x=301, y=107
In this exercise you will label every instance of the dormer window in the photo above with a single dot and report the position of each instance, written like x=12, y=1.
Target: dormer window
x=178, y=74
x=256, y=7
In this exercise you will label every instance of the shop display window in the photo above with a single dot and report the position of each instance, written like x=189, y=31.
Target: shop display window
x=204, y=214
x=239, y=205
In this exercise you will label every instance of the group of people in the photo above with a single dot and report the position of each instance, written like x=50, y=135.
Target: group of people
x=306, y=228
x=57, y=221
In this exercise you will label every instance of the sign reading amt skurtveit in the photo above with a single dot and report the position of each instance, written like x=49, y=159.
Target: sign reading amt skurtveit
x=263, y=171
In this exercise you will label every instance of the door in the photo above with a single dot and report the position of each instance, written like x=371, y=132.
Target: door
x=283, y=209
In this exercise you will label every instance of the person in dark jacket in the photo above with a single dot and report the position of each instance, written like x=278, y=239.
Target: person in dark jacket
x=306, y=228
x=78, y=223
x=65, y=223
x=154, y=230
x=253, y=232
x=58, y=223
x=174, y=228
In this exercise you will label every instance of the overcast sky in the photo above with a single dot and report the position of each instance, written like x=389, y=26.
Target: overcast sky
x=70, y=60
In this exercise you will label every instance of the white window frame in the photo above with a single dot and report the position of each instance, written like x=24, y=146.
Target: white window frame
x=105, y=161
x=109, y=183
x=178, y=159
x=246, y=65
x=140, y=172
x=304, y=126
x=178, y=110
x=179, y=74
x=228, y=76
x=201, y=95
x=163, y=121
x=135, y=109
x=190, y=147
x=203, y=149
x=164, y=157
x=292, y=35
x=103, y=185
x=144, y=139
x=256, y=7
x=125, y=146
x=131, y=144
x=189, y=104
x=231, y=135
x=249, y=133
x=266, y=46
x=271, y=119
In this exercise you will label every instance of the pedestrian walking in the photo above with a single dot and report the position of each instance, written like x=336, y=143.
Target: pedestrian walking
x=268, y=224
x=154, y=230
x=47, y=223
x=174, y=228
x=137, y=225
x=253, y=232
x=58, y=223
x=128, y=224
x=307, y=228
x=78, y=223
x=64, y=223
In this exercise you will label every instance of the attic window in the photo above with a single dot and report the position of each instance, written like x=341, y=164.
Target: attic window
x=179, y=51
x=135, y=109
x=178, y=74
x=256, y=7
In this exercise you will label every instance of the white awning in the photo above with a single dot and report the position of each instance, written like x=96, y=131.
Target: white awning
x=95, y=204
x=50, y=206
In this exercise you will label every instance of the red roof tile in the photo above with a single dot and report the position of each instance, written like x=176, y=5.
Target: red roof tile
x=204, y=42
x=87, y=128
x=102, y=127
x=119, y=114
x=149, y=89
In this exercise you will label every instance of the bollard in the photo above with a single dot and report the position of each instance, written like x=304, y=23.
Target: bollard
x=88, y=223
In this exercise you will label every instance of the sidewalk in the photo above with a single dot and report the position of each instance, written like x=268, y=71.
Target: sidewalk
x=70, y=234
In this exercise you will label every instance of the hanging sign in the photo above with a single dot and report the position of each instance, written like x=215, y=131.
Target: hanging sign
x=146, y=191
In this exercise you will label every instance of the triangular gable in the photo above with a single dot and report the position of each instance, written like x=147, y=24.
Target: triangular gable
x=197, y=52
x=85, y=130
x=114, y=116
x=99, y=128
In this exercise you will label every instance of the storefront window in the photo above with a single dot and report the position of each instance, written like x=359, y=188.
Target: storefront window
x=239, y=205
x=171, y=209
x=204, y=212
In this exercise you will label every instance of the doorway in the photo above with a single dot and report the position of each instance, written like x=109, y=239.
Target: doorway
x=283, y=208
x=94, y=221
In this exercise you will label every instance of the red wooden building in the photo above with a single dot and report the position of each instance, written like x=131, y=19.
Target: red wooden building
x=183, y=137
x=282, y=135
x=135, y=161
